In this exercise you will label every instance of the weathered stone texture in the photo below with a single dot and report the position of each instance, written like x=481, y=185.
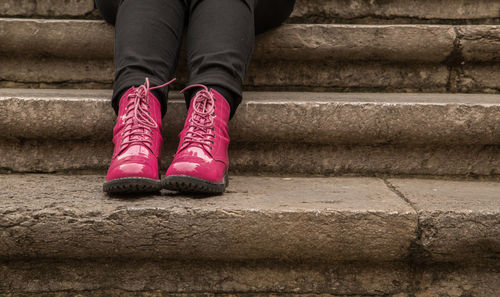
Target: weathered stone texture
x=48, y=8
x=458, y=220
x=365, y=160
x=339, y=133
x=258, y=218
x=281, y=158
x=262, y=75
x=324, y=118
x=345, y=76
x=480, y=43
x=131, y=278
x=357, y=42
x=56, y=38
x=55, y=72
x=384, y=11
x=393, y=58
x=479, y=78
x=260, y=279
x=441, y=280
x=356, y=11
x=94, y=39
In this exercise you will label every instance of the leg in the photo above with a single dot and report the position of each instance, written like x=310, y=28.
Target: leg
x=147, y=41
x=220, y=41
x=221, y=37
x=148, y=36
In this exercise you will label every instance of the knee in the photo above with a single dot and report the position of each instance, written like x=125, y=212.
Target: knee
x=108, y=9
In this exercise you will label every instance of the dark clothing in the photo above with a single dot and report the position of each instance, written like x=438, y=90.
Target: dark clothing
x=220, y=38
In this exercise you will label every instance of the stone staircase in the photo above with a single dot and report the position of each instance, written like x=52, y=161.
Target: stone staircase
x=398, y=99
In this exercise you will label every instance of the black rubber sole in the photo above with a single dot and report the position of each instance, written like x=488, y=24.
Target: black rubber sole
x=193, y=185
x=132, y=185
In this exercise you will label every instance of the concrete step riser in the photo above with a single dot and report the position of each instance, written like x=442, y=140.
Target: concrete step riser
x=278, y=158
x=229, y=227
x=272, y=117
x=272, y=76
x=188, y=279
x=396, y=43
x=257, y=219
x=303, y=133
x=397, y=11
x=294, y=57
x=264, y=237
x=318, y=11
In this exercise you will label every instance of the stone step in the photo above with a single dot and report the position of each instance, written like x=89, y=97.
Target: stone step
x=397, y=11
x=312, y=11
x=419, y=58
x=303, y=133
x=265, y=236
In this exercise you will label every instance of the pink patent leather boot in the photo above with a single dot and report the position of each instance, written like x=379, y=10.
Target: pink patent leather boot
x=201, y=162
x=138, y=141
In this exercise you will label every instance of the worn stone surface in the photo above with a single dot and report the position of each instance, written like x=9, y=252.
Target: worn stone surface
x=366, y=160
x=451, y=281
x=94, y=39
x=346, y=76
x=325, y=118
x=202, y=276
x=361, y=11
x=102, y=278
x=262, y=75
x=157, y=293
x=480, y=43
x=258, y=218
x=281, y=158
x=207, y=279
x=458, y=220
x=56, y=38
x=355, y=11
x=122, y=293
x=480, y=78
x=357, y=42
x=55, y=72
x=46, y=8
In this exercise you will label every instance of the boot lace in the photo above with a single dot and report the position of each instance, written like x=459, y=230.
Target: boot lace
x=139, y=124
x=201, y=129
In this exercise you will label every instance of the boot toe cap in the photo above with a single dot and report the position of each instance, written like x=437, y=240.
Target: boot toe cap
x=132, y=169
x=213, y=171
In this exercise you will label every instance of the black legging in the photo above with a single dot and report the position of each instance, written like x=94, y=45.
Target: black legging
x=220, y=38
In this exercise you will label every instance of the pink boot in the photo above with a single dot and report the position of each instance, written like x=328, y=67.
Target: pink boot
x=138, y=141
x=201, y=162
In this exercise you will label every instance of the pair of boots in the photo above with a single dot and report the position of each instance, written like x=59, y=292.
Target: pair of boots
x=201, y=162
